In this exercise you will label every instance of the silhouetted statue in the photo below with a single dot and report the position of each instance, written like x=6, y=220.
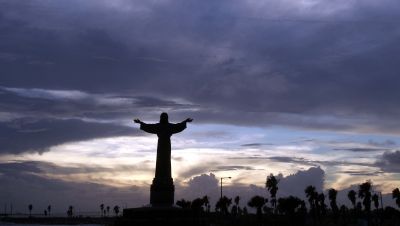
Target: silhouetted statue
x=162, y=189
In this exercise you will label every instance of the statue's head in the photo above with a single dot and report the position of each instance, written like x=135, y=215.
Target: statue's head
x=164, y=118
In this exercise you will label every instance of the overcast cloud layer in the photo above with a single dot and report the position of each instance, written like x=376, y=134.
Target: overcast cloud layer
x=265, y=62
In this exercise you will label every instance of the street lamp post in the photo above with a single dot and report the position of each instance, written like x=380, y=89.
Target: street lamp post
x=221, y=183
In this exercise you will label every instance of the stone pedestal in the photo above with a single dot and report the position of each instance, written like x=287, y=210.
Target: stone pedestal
x=162, y=192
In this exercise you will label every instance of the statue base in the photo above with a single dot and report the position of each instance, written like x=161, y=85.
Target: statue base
x=162, y=192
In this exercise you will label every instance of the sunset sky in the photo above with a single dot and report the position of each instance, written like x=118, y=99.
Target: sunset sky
x=307, y=89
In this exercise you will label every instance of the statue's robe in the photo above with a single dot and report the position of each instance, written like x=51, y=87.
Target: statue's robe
x=162, y=183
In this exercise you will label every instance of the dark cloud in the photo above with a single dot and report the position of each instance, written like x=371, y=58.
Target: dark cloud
x=16, y=168
x=367, y=173
x=40, y=167
x=389, y=161
x=30, y=134
x=305, y=161
x=233, y=168
x=196, y=170
x=200, y=185
x=24, y=183
x=386, y=143
x=255, y=144
x=307, y=73
x=296, y=183
x=370, y=146
x=43, y=118
x=288, y=185
x=211, y=167
x=290, y=160
x=77, y=104
x=360, y=149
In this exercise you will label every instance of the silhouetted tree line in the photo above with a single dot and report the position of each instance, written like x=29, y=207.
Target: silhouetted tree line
x=292, y=210
x=366, y=209
x=105, y=210
x=46, y=211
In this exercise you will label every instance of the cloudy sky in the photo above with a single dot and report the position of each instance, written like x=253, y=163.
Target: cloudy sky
x=306, y=89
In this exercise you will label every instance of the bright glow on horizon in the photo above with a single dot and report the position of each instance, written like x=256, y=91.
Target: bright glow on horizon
x=124, y=161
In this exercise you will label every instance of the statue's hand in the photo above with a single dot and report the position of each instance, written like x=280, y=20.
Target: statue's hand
x=136, y=120
x=189, y=120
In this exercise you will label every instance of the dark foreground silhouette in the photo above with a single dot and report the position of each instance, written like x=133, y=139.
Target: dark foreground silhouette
x=162, y=188
x=59, y=220
x=317, y=210
x=195, y=216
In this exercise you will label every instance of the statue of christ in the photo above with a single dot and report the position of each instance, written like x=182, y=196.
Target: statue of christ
x=162, y=188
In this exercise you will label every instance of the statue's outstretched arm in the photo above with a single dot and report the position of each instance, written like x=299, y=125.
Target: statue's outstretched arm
x=179, y=127
x=150, y=128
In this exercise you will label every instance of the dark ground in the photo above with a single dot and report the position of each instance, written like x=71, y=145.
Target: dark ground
x=143, y=216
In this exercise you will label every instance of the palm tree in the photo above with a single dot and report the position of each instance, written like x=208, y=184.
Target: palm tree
x=364, y=192
x=30, y=207
x=235, y=208
x=237, y=200
x=321, y=203
x=375, y=199
x=257, y=202
x=102, y=208
x=289, y=205
x=197, y=205
x=332, y=194
x=311, y=195
x=116, y=210
x=223, y=204
x=49, y=209
x=396, y=195
x=183, y=204
x=245, y=211
x=272, y=186
x=206, y=203
x=70, y=211
x=352, y=196
x=108, y=210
